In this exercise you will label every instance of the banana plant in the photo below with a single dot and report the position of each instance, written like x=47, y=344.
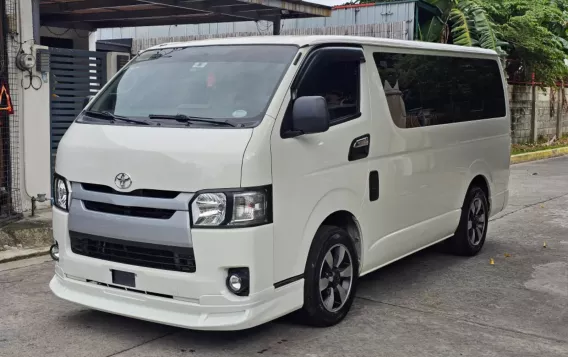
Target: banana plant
x=464, y=23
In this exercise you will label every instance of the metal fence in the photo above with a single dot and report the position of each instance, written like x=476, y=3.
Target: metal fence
x=395, y=30
x=10, y=43
x=74, y=75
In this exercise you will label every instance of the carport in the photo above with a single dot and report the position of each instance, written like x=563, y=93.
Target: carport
x=94, y=14
x=65, y=70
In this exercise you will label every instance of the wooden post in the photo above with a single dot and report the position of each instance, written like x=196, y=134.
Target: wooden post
x=534, y=129
x=559, y=110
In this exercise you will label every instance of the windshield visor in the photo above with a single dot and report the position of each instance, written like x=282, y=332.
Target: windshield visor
x=225, y=83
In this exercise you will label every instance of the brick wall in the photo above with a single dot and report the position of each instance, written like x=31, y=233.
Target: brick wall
x=520, y=101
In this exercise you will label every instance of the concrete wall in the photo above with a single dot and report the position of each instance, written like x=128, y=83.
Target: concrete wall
x=33, y=163
x=34, y=123
x=520, y=100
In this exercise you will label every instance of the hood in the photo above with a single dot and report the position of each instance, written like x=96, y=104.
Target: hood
x=173, y=159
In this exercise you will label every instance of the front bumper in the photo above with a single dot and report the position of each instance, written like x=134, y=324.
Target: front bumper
x=197, y=300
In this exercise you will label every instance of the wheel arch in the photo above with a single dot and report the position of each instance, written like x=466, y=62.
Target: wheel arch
x=479, y=174
x=347, y=221
x=481, y=182
x=338, y=208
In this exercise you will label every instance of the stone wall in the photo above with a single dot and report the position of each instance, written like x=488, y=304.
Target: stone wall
x=520, y=101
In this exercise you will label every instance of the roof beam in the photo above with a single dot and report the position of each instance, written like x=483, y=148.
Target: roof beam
x=206, y=7
x=298, y=6
x=69, y=25
x=116, y=15
x=84, y=5
x=165, y=21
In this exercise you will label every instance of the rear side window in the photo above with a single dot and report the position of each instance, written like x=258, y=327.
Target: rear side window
x=424, y=90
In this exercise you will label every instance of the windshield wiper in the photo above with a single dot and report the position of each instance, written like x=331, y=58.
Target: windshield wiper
x=187, y=119
x=109, y=116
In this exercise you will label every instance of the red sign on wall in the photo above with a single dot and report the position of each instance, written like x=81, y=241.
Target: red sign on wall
x=5, y=101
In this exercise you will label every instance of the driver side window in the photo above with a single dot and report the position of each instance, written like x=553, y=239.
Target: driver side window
x=335, y=76
x=338, y=82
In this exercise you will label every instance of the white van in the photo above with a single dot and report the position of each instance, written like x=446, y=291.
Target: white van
x=220, y=184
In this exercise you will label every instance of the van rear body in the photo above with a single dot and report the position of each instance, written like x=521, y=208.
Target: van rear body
x=221, y=184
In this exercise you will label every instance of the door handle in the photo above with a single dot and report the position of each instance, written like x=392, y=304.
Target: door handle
x=359, y=143
x=359, y=148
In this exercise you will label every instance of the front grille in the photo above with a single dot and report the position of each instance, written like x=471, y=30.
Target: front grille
x=133, y=253
x=135, y=193
x=157, y=213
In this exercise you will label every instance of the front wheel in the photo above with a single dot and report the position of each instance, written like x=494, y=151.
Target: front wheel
x=472, y=230
x=330, y=277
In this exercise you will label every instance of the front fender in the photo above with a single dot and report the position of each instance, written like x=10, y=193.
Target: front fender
x=334, y=201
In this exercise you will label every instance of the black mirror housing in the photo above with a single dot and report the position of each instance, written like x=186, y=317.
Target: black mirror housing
x=310, y=115
x=87, y=100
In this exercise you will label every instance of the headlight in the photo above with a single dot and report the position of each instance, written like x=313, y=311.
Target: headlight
x=209, y=209
x=60, y=193
x=249, y=207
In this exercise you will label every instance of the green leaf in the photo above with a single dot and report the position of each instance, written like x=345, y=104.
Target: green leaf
x=431, y=30
x=462, y=28
x=485, y=30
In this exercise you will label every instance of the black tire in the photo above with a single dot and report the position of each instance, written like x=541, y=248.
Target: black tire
x=315, y=313
x=463, y=243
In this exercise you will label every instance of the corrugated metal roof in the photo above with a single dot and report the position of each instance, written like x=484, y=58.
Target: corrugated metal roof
x=380, y=13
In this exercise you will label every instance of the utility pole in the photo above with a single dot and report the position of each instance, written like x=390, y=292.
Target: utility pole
x=534, y=129
x=559, y=110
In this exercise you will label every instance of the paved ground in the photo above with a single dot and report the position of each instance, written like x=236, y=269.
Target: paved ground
x=429, y=304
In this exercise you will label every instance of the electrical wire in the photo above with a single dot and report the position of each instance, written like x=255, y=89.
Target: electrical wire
x=81, y=36
x=55, y=33
x=261, y=31
x=31, y=77
x=21, y=49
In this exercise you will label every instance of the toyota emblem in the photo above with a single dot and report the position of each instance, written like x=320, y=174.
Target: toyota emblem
x=123, y=181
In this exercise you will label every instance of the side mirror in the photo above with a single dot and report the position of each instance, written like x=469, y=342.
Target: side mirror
x=310, y=115
x=87, y=100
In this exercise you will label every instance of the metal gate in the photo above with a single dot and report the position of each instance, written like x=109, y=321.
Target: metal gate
x=74, y=74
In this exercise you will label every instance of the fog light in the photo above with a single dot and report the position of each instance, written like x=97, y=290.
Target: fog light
x=54, y=252
x=238, y=281
x=235, y=282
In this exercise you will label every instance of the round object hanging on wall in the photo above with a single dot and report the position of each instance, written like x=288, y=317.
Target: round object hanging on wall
x=25, y=61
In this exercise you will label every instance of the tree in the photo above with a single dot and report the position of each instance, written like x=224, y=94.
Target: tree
x=537, y=33
x=464, y=23
x=532, y=34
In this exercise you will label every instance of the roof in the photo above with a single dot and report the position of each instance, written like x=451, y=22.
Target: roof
x=421, y=3
x=93, y=14
x=318, y=40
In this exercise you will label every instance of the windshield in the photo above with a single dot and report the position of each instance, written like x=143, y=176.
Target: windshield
x=225, y=83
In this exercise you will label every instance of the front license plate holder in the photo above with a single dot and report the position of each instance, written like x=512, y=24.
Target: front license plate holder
x=123, y=278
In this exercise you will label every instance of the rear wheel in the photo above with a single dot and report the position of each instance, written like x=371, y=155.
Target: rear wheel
x=472, y=230
x=330, y=277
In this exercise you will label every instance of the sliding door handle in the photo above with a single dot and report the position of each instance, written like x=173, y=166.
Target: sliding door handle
x=359, y=148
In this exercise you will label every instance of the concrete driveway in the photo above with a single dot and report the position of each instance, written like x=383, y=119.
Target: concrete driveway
x=429, y=304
